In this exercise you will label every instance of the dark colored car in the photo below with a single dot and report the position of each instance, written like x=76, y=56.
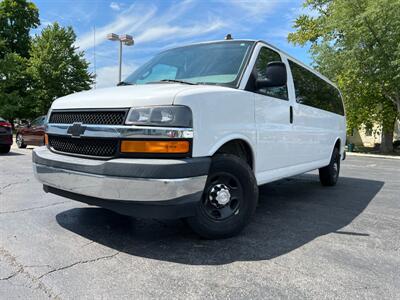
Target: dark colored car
x=32, y=133
x=5, y=136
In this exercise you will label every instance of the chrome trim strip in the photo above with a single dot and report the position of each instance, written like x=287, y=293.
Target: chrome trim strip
x=121, y=131
x=118, y=188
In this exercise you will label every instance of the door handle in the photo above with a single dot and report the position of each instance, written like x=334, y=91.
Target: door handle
x=291, y=114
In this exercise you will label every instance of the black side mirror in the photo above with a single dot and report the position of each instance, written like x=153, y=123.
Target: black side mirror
x=276, y=76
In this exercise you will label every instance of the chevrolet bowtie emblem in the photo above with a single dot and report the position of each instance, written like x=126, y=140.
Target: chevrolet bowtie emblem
x=76, y=130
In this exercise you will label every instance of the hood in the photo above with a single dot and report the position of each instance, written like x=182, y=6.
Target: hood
x=123, y=96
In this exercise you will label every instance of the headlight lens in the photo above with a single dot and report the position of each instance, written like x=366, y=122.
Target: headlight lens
x=170, y=116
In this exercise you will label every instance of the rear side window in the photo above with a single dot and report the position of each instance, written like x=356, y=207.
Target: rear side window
x=266, y=56
x=313, y=91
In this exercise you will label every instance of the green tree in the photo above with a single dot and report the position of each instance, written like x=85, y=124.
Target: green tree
x=56, y=67
x=17, y=17
x=357, y=44
x=14, y=94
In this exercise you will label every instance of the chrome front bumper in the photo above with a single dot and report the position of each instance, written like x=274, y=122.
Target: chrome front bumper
x=138, y=179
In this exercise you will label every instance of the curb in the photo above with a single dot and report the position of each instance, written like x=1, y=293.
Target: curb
x=373, y=155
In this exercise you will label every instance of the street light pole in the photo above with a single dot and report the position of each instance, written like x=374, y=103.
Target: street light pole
x=124, y=39
x=120, y=62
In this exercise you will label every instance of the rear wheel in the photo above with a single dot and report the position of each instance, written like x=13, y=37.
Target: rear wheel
x=329, y=175
x=20, y=141
x=5, y=149
x=229, y=199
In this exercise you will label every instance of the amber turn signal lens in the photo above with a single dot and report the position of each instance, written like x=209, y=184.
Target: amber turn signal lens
x=46, y=139
x=155, y=146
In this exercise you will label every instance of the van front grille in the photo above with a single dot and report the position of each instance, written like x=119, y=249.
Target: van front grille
x=115, y=117
x=84, y=146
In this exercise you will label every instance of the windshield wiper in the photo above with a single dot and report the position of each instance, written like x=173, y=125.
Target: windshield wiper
x=124, y=83
x=176, y=81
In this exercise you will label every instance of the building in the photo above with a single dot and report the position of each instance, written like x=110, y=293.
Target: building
x=368, y=137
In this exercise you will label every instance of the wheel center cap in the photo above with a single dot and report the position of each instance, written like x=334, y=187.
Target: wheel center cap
x=219, y=195
x=223, y=197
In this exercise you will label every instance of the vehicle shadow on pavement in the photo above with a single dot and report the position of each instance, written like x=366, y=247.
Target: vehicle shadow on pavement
x=11, y=153
x=291, y=213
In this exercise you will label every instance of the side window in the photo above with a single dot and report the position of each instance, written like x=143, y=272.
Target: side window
x=266, y=56
x=313, y=91
x=159, y=72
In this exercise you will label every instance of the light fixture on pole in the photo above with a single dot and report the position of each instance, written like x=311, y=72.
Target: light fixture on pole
x=125, y=39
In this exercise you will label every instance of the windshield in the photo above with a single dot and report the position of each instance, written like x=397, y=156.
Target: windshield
x=219, y=63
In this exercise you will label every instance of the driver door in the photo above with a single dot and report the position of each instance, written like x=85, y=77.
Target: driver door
x=272, y=114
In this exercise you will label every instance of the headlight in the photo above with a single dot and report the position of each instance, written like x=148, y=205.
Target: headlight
x=168, y=116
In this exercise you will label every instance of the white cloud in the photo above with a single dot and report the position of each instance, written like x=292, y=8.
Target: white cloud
x=115, y=6
x=124, y=23
x=175, y=32
x=256, y=9
x=132, y=20
x=108, y=76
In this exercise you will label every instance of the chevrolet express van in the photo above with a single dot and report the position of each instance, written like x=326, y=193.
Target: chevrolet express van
x=193, y=133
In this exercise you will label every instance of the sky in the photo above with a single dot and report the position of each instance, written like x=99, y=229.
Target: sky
x=157, y=25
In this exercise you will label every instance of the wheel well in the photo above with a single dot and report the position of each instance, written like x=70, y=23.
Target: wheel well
x=337, y=144
x=239, y=148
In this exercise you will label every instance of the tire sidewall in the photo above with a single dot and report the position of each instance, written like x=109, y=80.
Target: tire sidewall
x=327, y=175
x=21, y=144
x=211, y=228
x=4, y=149
x=335, y=159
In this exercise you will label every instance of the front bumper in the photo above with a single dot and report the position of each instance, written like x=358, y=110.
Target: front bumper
x=124, y=183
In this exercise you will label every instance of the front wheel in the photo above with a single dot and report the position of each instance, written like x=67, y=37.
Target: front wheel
x=20, y=141
x=329, y=175
x=4, y=149
x=229, y=199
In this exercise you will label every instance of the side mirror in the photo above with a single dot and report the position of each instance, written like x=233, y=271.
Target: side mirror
x=28, y=125
x=276, y=76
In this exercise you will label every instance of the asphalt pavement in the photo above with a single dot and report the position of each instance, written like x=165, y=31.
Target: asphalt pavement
x=305, y=242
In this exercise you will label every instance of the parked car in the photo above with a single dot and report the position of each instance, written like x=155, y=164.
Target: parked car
x=5, y=136
x=31, y=134
x=193, y=133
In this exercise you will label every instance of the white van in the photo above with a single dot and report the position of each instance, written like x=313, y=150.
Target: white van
x=193, y=133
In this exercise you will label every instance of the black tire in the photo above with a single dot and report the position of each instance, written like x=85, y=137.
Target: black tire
x=229, y=200
x=5, y=149
x=20, y=141
x=329, y=175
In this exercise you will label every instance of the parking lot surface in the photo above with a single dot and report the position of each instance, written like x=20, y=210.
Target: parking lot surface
x=305, y=241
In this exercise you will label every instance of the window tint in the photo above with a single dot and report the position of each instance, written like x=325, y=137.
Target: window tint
x=266, y=56
x=219, y=63
x=314, y=91
x=158, y=72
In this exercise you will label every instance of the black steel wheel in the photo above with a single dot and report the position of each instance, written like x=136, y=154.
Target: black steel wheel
x=329, y=175
x=229, y=199
x=223, y=196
